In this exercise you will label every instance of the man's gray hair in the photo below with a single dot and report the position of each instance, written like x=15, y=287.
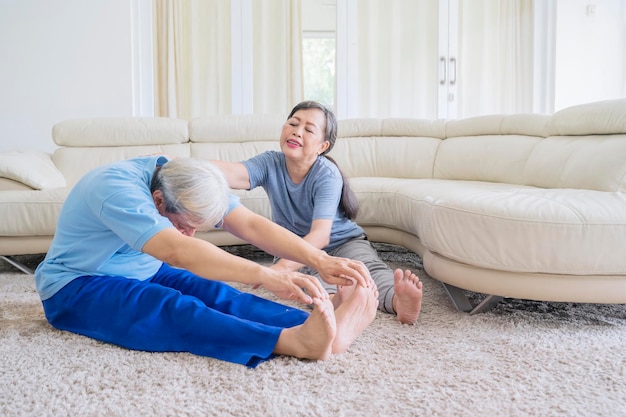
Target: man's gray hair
x=194, y=188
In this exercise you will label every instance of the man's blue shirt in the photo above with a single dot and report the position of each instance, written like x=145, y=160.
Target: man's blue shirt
x=105, y=221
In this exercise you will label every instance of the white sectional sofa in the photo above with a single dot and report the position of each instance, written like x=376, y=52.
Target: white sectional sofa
x=525, y=206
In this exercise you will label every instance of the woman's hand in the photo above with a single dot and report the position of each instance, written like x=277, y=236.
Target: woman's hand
x=294, y=286
x=344, y=271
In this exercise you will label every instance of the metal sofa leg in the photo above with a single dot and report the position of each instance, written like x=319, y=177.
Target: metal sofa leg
x=460, y=301
x=17, y=264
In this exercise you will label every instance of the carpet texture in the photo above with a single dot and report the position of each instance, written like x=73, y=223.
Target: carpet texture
x=522, y=358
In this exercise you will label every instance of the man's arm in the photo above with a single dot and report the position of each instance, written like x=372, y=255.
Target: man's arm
x=207, y=260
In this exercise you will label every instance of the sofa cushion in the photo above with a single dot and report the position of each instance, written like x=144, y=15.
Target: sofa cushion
x=392, y=203
x=599, y=118
x=499, y=124
x=256, y=200
x=34, y=169
x=232, y=151
x=502, y=226
x=526, y=229
x=31, y=213
x=386, y=156
x=74, y=162
x=236, y=128
x=594, y=162
x=120, y=131
x=8, y=184
x=398, y=127
x=490, y=158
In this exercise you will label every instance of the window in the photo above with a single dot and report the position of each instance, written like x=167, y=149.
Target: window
x=319, y=67
x=319, y=50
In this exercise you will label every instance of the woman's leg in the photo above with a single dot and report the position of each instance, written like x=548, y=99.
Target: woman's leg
x=400, y=292
x=362, y=250
x=143, y=315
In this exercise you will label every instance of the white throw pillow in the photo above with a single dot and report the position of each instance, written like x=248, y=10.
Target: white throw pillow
x=32, y=168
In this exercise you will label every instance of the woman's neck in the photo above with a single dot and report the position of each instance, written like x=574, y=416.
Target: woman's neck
x=298, y=170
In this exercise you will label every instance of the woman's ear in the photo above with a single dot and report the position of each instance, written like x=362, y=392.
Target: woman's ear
x=323, y=147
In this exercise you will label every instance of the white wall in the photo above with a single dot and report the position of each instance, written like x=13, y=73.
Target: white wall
x=61, y=59
x=590, y=51
x=64, y=59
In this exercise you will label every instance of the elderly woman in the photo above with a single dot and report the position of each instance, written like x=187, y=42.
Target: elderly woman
x=310, y=196
x=124, y=268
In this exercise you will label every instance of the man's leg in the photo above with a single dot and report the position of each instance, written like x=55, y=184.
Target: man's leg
x=223, y=297
x=146, y=316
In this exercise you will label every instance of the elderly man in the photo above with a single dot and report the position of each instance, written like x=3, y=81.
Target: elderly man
x=124, y=268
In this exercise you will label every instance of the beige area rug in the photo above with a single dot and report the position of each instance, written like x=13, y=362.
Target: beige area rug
x=520, y=359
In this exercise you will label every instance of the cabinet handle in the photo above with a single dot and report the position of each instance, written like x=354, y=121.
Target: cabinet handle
x=452, y=71
x=442, y=70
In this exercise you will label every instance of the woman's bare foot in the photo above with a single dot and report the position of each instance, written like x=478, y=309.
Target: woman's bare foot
x=354, y=314
x=312, y=339
x=343, y=293
x=407, y=301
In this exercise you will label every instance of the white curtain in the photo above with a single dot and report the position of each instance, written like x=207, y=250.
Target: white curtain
x=396, y=68
x=193, y=71
x=495, y=57
x=395, y=73
x=277, y=56
x=192, y=58
x=398, y=52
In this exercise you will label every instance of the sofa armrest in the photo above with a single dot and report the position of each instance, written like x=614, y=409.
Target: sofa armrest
x=31, y=168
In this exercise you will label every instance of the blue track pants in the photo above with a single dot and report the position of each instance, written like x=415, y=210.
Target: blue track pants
x=174, y=311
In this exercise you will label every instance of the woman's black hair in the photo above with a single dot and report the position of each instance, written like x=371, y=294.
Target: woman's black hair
x=348, y=203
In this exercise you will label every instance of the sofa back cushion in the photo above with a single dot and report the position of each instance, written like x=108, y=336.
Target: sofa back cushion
x=592, y=162
x=85, y=144
x=516, y=149
x=393, y=148
x=606, y=117
x=234, y=138
x=77, y=161
x=581, y=147
x=491, y=148
x=385, y=156
x=586, y=149
x=120, y=131
x=399, y=148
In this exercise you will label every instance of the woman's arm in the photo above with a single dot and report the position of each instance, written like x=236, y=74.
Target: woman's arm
x=280, y=242
x=236, y=174
x=318, y=236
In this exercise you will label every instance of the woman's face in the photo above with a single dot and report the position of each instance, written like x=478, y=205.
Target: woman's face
x=302, y=137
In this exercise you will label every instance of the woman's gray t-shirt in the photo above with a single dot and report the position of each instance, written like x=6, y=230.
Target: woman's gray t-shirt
x=295, y=206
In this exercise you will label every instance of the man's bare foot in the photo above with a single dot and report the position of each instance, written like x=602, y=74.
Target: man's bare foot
x=354, y=314
x=312, y=339
x=407, y=301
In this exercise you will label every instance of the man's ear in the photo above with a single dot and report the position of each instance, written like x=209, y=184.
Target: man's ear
x=159, y=201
